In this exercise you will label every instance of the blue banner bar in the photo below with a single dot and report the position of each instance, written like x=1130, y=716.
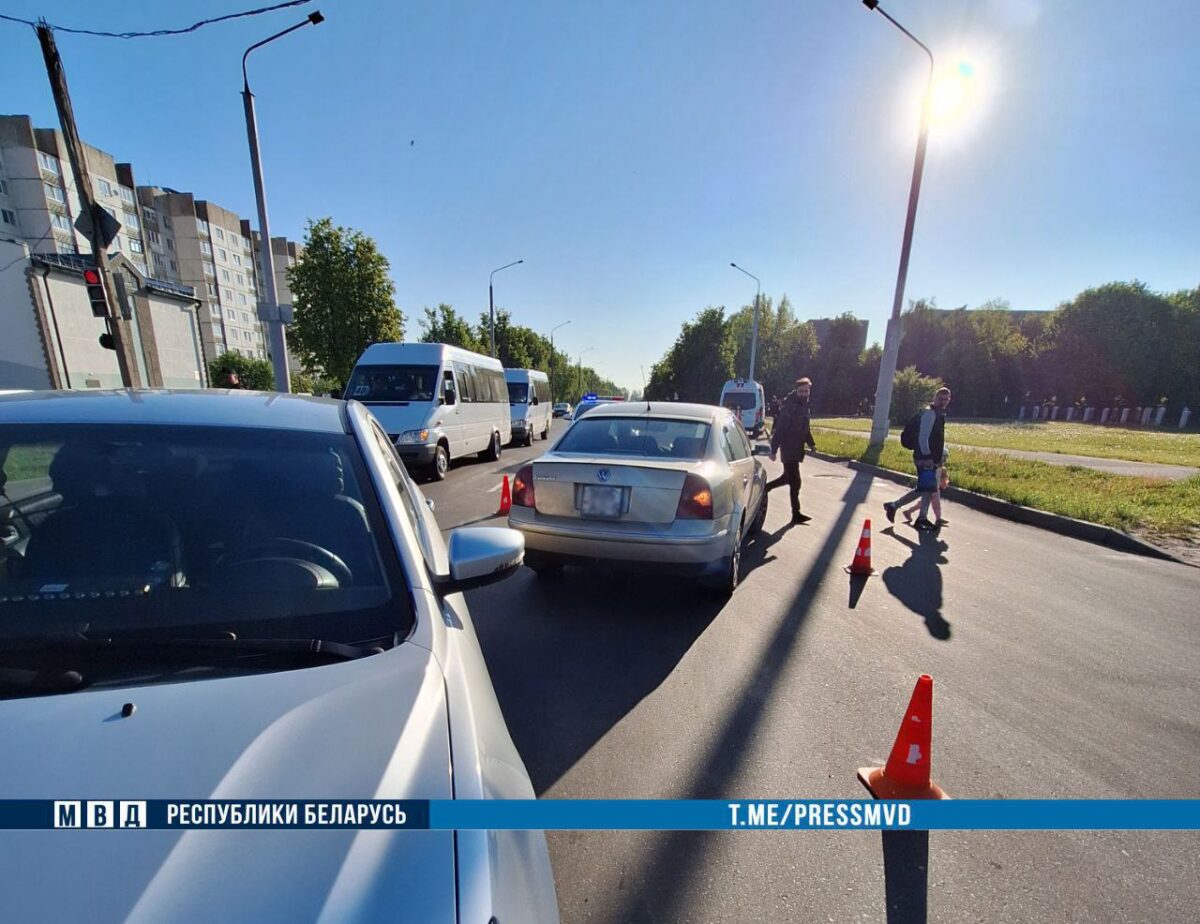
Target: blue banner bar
x=607, y=814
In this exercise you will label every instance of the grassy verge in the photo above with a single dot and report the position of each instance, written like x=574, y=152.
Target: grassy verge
x=1163, y=446
x=29, y=461
x=1153, y=505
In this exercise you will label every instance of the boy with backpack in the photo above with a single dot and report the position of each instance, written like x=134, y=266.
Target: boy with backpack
x=925, y=435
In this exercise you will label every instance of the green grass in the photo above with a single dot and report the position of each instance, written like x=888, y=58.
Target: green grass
x=1165, y=446
x=29, y=461
x=1151, y=505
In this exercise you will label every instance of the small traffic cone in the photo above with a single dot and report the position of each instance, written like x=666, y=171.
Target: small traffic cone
x=505, y=499
x=907, y=772
x=862, y=554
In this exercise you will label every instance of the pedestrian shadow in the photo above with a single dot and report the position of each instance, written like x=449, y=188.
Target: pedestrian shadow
x=918, y=582
x=754, y=553
x=906, y=876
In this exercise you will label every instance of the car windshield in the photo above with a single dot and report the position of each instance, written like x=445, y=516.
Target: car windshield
x=393, y=384
x=518, y=393
x=652, y=437
x=147, y=532
x=739, y=400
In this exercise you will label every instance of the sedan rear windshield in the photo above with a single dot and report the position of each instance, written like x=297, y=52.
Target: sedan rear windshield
x=740, y=400
x=393, y=384
x=652, y=437
x=148, y=531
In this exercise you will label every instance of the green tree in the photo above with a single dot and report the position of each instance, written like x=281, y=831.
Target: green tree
x=445, y=325
x=911, y=391
x=254, y=374
x=313, y=384
x=343, y=298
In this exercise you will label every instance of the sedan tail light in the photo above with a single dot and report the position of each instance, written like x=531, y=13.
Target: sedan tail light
x=695, y=501
x=522, y=487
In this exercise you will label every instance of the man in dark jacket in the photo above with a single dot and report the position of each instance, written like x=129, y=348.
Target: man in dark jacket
x=791, y=433
x=931, y=441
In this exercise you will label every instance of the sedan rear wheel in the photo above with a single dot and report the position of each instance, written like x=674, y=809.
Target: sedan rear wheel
x=726, y=581
x=761, y=517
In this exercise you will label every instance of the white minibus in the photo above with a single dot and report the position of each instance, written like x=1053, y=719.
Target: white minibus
x=746, y=399
x=530, y=403
x=436, y=402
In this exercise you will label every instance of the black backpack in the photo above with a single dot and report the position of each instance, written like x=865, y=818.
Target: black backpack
x=911, y=432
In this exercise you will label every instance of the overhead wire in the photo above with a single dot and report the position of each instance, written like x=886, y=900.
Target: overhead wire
x=158, y=33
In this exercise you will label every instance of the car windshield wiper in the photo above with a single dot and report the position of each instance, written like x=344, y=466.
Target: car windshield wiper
x=318, y=648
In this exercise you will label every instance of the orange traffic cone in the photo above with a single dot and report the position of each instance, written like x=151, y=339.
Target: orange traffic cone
x=862, y=554
x=907, y=773
x=505, y=499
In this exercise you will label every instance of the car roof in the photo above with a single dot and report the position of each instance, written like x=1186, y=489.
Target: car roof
x=201, y=407
x=670, y=409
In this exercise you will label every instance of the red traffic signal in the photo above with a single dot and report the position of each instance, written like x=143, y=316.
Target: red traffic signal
x=96, y=293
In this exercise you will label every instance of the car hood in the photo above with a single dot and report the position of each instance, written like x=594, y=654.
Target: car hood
x=374, y=728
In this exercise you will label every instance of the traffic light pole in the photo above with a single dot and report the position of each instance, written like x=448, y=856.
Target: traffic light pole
x=117, y=325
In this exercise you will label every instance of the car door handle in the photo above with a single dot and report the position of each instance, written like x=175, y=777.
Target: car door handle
x=745, y=479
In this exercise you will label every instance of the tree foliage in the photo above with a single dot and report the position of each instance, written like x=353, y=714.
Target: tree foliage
x=911, y=392
x=343, y=299
x=252, y=373
x=445, y=325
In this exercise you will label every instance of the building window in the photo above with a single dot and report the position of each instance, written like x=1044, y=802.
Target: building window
x=54, y=193
x=241, y=299
x=136, y=246
x=212, y=291
x=206, y=248
x=47, y=162
x=237, y=261
x=218, y=234
x=174, y=267
x=10, y=218
x=62, y=222
x=235, y=241
x=245, y=317
x=130, y=220
x=170, y=244
x=208, y=270
x=231, y=314
x=3, y=187
x=153, y=235
x=221, y=254
x=201, y=226
x=64, y=248
x=149, y=213
x=166, y=221
x=127, y=195
x=105, y=189
x=225, y=275
x=214, y=310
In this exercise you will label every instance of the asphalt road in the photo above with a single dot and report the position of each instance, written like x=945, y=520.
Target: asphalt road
x=1062, y=670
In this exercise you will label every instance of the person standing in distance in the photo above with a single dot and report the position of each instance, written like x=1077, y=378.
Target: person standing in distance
x=792, y=431
x=930, y=444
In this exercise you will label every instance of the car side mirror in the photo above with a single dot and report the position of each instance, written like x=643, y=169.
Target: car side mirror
x=480, y=556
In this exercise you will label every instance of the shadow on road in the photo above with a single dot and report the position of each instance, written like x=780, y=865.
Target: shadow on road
x=906, y=876
x=918, y=582
x=676, y=867
x=586, y=648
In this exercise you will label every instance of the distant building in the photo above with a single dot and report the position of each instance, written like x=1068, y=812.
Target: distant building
x=822, y=327
x=170, y=237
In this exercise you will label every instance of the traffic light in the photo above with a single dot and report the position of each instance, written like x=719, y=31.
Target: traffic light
x=95, y=291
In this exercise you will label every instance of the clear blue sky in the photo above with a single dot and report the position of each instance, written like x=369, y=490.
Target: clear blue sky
x=628, y=150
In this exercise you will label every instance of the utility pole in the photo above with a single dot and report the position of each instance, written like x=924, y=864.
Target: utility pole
x=117, y=325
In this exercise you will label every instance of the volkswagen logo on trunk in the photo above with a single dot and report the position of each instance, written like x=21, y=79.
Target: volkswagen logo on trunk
x=603, y=474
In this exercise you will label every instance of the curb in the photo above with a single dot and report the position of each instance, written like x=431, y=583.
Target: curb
x=1054, y=522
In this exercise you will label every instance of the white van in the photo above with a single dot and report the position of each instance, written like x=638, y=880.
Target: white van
x=746, y=399
x=436, y=402
x=530, y=403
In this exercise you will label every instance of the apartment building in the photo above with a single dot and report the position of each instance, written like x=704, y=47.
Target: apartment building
x=284, y=254
x=39, y=203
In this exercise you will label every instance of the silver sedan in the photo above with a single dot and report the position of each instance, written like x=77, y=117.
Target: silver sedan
x=670, y=487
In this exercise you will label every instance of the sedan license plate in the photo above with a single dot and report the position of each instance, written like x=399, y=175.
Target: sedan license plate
x=601, y=501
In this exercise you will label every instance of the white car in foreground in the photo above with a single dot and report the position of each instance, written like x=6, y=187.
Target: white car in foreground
x=653, y=485
x=244, y=596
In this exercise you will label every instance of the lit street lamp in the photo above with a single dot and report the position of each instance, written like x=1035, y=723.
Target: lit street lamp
x=552, y=330
x=891, y=341
x=268, y=312
x=754, y=335
x=492, y=305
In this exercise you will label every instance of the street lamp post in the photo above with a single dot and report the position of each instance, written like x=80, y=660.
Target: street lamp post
x=891, y=340
x=754, y=335
x=492, y=304
x=579, y=371
x=552, y=330
x=268, y=312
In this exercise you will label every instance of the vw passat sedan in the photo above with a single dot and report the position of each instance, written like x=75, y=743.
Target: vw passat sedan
x=243, y=596
x=673, y=487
